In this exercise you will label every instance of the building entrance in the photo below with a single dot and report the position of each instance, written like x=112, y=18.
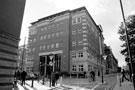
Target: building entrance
x=45, y=68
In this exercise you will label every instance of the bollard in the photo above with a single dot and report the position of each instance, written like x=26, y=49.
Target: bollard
x=32, y=82
x=119, y=86
x=60, y=80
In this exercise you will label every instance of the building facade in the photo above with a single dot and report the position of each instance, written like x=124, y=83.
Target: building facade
x=111, y=63
x=71, y=36
x=24, y=62
x=10, y=27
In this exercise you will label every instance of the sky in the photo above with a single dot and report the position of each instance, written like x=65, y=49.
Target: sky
x=104, y=12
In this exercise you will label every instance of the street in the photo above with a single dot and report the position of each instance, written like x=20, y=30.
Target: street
x=110, y=81
x=74, y=84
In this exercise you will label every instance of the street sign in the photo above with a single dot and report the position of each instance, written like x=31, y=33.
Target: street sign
x=51, y=63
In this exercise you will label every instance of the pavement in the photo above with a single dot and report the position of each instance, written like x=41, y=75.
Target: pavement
x=126, y=85
x=72, y=85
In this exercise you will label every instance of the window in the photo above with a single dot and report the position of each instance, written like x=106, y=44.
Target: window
x=49, y=35
x=52, y=45
x=80, y=54
x=53, y=35
x=79, y=31
x=44, y=36
x=43, y=47
x=81, y=68
x=57, y=34
x=34, y=40
x=79, y=19
x=61, y=33
x=73, y=43
x=74, y=21
x=40, y=47
x=41, y=37
x=45, y=28
x=89, y=68
x=57, y=45
x=73, y=55
x=33, y=31
x=48, y=46
x=33, y=49
x=29, y=49
x=30, y=41
x=42, y=29
x=73, y=32
x=74, y=68
x=79, y=42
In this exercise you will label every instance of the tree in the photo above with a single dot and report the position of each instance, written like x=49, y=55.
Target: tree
x=130, y=24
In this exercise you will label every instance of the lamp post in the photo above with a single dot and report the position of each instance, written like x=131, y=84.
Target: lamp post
x=104, y=58
x=51, y=64
x=128, y=46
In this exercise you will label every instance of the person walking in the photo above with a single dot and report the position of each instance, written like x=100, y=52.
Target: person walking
x=23, y=77
x=124, y=76
x=93, y=75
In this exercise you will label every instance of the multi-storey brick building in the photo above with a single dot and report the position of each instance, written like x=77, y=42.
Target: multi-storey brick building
x=72, y=36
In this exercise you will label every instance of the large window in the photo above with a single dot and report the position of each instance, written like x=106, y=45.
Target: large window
x=57, y=45
x=52, y=45
x=73, y=54
x=73, y=43
x=76, y=20
x=34, y=40
x=80, y=42
x=74, y=68
x=73, y=32
x=81, y=68
x=80, y=54
x=33, y=31
x=40, y=47
x=41, y=37
x=79, y=31
x=43, y=47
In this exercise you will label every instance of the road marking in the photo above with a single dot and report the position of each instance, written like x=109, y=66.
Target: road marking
x=95, y=86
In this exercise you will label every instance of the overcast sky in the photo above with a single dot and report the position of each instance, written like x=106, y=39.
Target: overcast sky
x=104, y=12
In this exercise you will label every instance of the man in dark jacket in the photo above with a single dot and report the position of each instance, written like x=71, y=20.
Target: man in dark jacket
x=124, y=76
x=23, y=77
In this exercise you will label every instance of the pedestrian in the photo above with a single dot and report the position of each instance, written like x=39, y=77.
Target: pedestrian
x=18, y=75
x=84, y=73
x=93, y=75
x=23, y=77
x=53, y=79
x=15, y=79
x=56, y=77
x=124, y=76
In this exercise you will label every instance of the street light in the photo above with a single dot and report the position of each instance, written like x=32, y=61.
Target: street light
x=51, y=63
x=104, y=57
x=128, y=45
